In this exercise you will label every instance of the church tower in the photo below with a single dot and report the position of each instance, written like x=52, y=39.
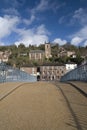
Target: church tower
x=47, y=50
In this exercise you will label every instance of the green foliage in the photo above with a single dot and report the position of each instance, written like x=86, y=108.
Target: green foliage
x=35, y=63
x=20, y=55
x=41, y=47
x=54, y=50
x=70, y=47
x=78, y=60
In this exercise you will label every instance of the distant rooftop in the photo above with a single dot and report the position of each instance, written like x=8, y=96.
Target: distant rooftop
x=36, y=51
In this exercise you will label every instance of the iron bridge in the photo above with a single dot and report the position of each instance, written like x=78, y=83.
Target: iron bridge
x=11, y=74
x=78, y=74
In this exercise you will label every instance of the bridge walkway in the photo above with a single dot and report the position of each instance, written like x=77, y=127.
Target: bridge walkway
x=76, y=102
x=80, y=86
x=42, y=106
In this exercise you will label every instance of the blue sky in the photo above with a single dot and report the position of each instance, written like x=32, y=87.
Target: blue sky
x=36, y=21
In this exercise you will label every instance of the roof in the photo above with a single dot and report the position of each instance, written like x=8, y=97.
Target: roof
x=45, y=64
x=36, y=51
x=53, y=64
x=70, y=63
x=47, y=42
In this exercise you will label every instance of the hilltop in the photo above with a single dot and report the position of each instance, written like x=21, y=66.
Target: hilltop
x=19, y=56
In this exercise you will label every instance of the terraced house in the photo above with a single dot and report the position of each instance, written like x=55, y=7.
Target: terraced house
x=46, y=72
x=52, y=71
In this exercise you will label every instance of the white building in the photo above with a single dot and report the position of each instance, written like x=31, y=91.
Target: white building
x=70, y=66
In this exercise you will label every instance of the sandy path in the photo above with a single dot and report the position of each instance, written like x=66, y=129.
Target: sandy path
x=35, y=106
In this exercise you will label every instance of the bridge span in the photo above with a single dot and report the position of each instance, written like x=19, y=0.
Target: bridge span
x=43, y=106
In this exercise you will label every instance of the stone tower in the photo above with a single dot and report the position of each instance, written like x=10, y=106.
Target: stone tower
x=47, y=50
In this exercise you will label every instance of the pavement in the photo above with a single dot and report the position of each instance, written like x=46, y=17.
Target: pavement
x=81, y=85
x=42, y=106
x=7, y=88
x=76, y=102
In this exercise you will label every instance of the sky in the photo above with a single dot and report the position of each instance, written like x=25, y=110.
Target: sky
x=38, y=21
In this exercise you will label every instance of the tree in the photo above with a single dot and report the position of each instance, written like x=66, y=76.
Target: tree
x=41, y=47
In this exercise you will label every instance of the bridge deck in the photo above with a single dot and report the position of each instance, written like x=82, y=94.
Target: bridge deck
x=42, y=106
x=6, y=88
x=81, y=85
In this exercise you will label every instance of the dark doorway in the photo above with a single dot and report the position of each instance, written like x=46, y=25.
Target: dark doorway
x=38, y=69
x=38, y=73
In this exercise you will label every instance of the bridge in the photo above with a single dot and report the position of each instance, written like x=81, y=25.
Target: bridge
x=44, y=105
x=78, y=74
x=11, y=74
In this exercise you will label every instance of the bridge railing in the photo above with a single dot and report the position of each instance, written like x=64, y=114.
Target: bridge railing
x=11, y=74
x=78, y=74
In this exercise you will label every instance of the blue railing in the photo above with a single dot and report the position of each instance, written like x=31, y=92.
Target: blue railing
x=11, y=74
x=78, y=74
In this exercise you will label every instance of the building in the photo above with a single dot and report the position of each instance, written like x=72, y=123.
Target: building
x=62, y=53
x=52, y=72
x=39, y=55
x=47, y=72
x=70, y=66
x=30, y=70
x=36, y=55
x=4, y=56
x=71, y=54
x=48, y=50
x=67, y=53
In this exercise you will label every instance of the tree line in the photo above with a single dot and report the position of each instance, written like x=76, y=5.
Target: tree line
x=20, y=55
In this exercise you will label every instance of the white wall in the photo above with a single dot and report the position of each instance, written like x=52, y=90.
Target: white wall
x=70, y=67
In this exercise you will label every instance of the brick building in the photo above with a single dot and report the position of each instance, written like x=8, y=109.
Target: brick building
x=52, y=72
x=47, y=72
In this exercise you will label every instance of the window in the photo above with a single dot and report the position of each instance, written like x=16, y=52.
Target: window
x=62, y=71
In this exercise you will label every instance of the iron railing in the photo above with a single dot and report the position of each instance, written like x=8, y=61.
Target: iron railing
x=78, y=74
x=11, y=74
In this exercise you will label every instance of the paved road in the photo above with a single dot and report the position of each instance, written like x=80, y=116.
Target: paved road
x=42, y=106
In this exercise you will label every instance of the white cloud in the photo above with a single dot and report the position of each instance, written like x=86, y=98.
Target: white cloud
x=60, y=41
x=82, y=33
x=42, y=5
x=79, y=37
x=41, y=30
x=85, y=43
x=76, y=40
x=29, y=21
x=1, y=43
x=34, y=36
x=79, y=16
x=7, y=25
